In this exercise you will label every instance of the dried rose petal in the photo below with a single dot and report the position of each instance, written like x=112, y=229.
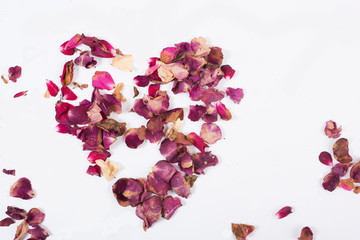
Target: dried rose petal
x=68, y=73
x=6, y=222
x=211, y=95
x=103, y=80
x=21, y=230
x=123, y=63
x=94, y=114
x=215, y=56
x=153, y=88
x=168, y=54
x=62, y=109
x=129, y=191
x=194, y=64
x=99, y=48
x=228, y=72
x=134, y=137
x=22, y=189
x=173, y=130
x=196, y=112
x=94, y=170
x=197, y=141
x=355, y=172
x=159, y=104
x=142, y=109
x=211, y=77
x=112, y=127
x=78, y=115
x=14, y=73
x=164, y=170
x=85, y=60
x=203, y=160
x=306, y=234
x=108, y=139
x=68, y=94
x=142, y=81
x=150, y=211
x=156, y=185
x=347, y=184
x=34, y=217
x=235, y=94
x=93, y=156
x=331, y=181
x=223, y=111
x=325, y=158
x=9, y=172
x=210, y=132
x=52, y=88
x=136, y=92
x=357, y=190
x=186, y=164
x=111, y=103
x=108, y=168
x=182, y=86
x=341, y=169
x=117, y=92
x=155, y=124
x=211, y=114
x=68, y=47
x=16, y=213
x=173, y=115
x=180, y=186
x=241, y=231
x=283, y=212
x=331, y=129
x=191, y=179
x=19, y=94
x=169, y=149
x=92, y=138
x=170, y=205
x=200, y=47
x=341, y=150
x=38, y=233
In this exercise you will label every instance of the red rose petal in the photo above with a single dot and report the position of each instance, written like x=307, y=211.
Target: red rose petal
x=134, y=137
x=347, y=184
x=196, y=112
x=9, y=172
x=306, y=234
x=170, y=205
x=153, y=88
x=142, y=109
x=85, y=60
x=157, y=105
x=34, y=217
x=78, y=115
x=283, y=212
x=14, y=73
x=235, y=94
x=20, y=94
x=223, y=111
x=68, y=73
x=62, y=109
x=6, y=222
x=99, y=48
x=68, y=94
x=22, y=189
x=103, y=80
x=68, y=47
x=52, y=88
x=331, y=129
x=38, y=233
x=215, y=56
x=94, y=170
x=142, y=81
x=325, y=158
x=228, y=71
x=211, y=114
x=180, y=186
x=93, y=156
x=203, y=160
x=197, y=141
x=331, y=181
x=16, y=213
x=168, y=54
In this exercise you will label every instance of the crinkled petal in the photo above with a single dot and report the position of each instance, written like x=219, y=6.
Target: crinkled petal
x=194, y=64
x=341, y=150
x=283, y=212
x=103, y=80
x=235, y=94
x=331, y=129
x=68, y=94
x=9, y=172
x=306, y=234
x=156, y=185
x=203, y=160
x=93, y=156
x=173, y=115
x=211, y=77
x=341, y=169
x=99, y=48
x=164, y=170
x=113, y=127
x=68, y=73
x=168, y=54
x=197, y=141
x=38, y=233
x=52, y=88
x=153, y=88
x=85, y=60
x=134, y=137
x=211, y=114
x=108, y=139
x=62, y=109
x=228, y=72
x=20, y=94
x=157, y=105
x=142, y=81
x=196, y=112
x=200, y=47
x=94, y=114
x=182, y=86
x=94, y=170
x=22, y=189
x=331, y=181
x=6, y=222
x=111, y=103
x=223, y=111
x=215, y=56
x=154, y=137
x=108, y=168
x=241, y=231
x=347, y=184
x=355, y=172
x=325, y=158
x=16, y=213
x=179, y=185
x=169, y=149
x=68, y=47
x=14, y=73
x=211, y=95
x=129, y=191
x=21, y=230
x=34, y=217
x=78, y=115
x=92, y=138
x=150, y=211
x=210, y=132
x=170, y=204
x=124, y=62
x=155, y=124
x=142, y=109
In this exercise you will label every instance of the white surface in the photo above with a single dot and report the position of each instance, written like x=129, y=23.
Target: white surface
x=298, y=62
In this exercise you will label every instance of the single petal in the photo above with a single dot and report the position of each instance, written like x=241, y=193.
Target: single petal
x=85, y=60
x=103, y=80
x=164, y=73
x=179, y=185
x=155, y=124
x=194, y=63
x=99, y=48
x=142, y=109
x=68, y=94
x=223, y=111
x=341, y=169
x=154, y=137
x=52, y=88
x=357, y=190
x=111, y=103
x=154, y=64
x=35, y=217
x=235, y=94
x=92, y=138
x=94, y=170
x=173, y=130
x=211, y=77
x=168, y=54
x=283, y=212
x=123, y=63
x=182, y=86
x=129, y=191
x=169, y=149
x=347, y=184
x=153, y=88
x=157, y=105
x=62, y=110
x=16, y=213
x=164, y=170
x=38, y=233
x=6, y=222
x=112, y=127
x=200, y=47
x=157, y=185
x=341, y=150
x=14, y=73
x=94, y=114
x=108, y=168
x=211, y=95
x=78, y=115
x=211, y=114
x=68, y=47
x=331, y=181
x=197, y=141
x=21, y=230
x=306, y=234
x=22, y=189
x=241, y=231
x=134, y=137
x=68, y=73
x=325, y=158
x=142, y=81
x=191, y=179
x=203, y=160
x=186, y=165
x=108, y=140
x=20, y=94
x=170, y=205
x=196, y=112
x=173, y=115
x=149, y=211
x=117, y=92
x=355, y=172
x=228, y=72
x=215, y=56
x=210, y=132
x=93, y=156
x=196, y=93
x=9, y=172
x=331, y=129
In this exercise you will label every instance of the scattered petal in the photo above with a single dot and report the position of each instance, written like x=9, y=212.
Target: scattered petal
x=136, y=92
x=94, y=170
x=170, y=205
x=235, y=94
x=211, y=114
x=357, y=190
x=241, y=231
x=14, y=73
x=149, y=211
x=341, y=169
x=68, y=73
x=355, y=172
x=197, y=141
x=179, y=185
x=108, y=168
x=157, y=105
x=283, y=212
x=196, y=112
x=68, y=47
x=22, y=189
x=19, y=94
x=331, y=129
x=203, y=160
x=142, y=109
x=38, y=233
x=123, y=63
x=168, y=54
x=200, y=47
x=85, y=60
x=78, y=115
x=103, y=80
x=99, y=48
x=341, y=150
x=306, y=234
x=191, y=179
x=142, y=81
x=331, y=181
x=21, y=230
x=129, y=191
x=134, y=137
x=210, y=132
x=156, y=185
x=223, y=111
x=347, y=184
x=6, y=222
x=52, y=88
x=325, y=158
x=16, y=213
x=153, y=88
x=9, y=172
x=68, y=94
x=164, y=170
x=215, y=56
x=228, y=72
x=35, y=217
x=117, y=92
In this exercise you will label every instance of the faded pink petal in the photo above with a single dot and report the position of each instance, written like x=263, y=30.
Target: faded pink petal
x=6, y=222
x=203, y=160
x=149, y=211
x=38, y=233
x=331, y=181
x=228, y=72
x=211, y=114
x=211, y=77
x=331, y=129
x=306, y=234
x=142, y=81
x=16, y=213
x=156, y=185
x=182, y=86
x=210, y=132
x=223, y=111
x=325, y=158
x=157, y=105
x=68, y=94
x=93, y=156
x=22, y=189
x=196, y=112
x=283, y=212
x=142, y=109
x=85, y=60
x=14, y=73
x=35, y=217
x=170, y=205
x=68, y=73
x=341, y=169
x=164, y=170
x=168, y=54
x=180, y=186
x=134, y=137
x=68, y=47
x=9, y=172
x=21, y=230
x=108, y=139
x=235, y=94
x=200, y=47
x=196, y=93
x=153, y=88
x=355, y=172
x=103, y=80
x=154, y=64
x=169, y=149
x=99, y=48
x=19, y=94
x=211, y=95
x=194, y=64
x=94, y=114
x=52, y=88
x=178, y=70
x=94, y=170
x=78, y=115
x=197, y=141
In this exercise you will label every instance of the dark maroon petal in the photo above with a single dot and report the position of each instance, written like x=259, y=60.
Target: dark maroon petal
x=6, y=222
x=149, y=211
x=20, y=94
x=103, y=80
x=16, y=213
x=164, y=170
x=169, y=149
x=93, y=156
x=62, y=109
x=52, y=88
x=325, y=158
x=211, y=95
x=141, y=108
x=197, y=141
x=228, y=72
x=203, y=160
x=331, y=129
x=85, y=60
x=35, y=216
x=134, y=137
x=38, y=233
x=22, y=189
x=92, y=138
x=68, y=94
x=14, y=73
x=99, y=48
x=112, y=104
x=306, y=234
x=223, y=111
x=153, y=88
x=168, y=54
x=355, y=172
x=170, y=205
x=341, y=169
x=180, y=186
x=78, y=115
x=211, y=114
x=142, y=81
x=154, y=137
x=235, y=94
x=331, y=181
x=341, y=150
x=9, y=172
x=196, y=112
x=94, y=170
x=283, y=212
x=156, y=185
x=68, y=47
x=210, y=132
x=68, y=73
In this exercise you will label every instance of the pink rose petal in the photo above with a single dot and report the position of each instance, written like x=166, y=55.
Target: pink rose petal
x=235, y=94
x=68, y=94
x=134, y=137
x=156, y=185
x=168, y=54
x=325, y=158
x=341, y=169
x=196, y=112
x=223, y=111
x=347, y=184
x=331, y=129
x=203, y=160
x=153, y=88
x=197, y=141
x=20, y=94
x=170, y=205
x=149, y=211
x=78, y=115
x=93, y=156
x=35, y=217
x=68, y=47
x=85, y=60
x=38, y=233
x=22, y=189
x=283, y=212
x=142, y=109
x=211, y=114
x=52, y=88
x=355, y=172
x=14, y=73
x=99, y=48
x=164, y=170
x=306, y=234
x=103, y=80
x=228, y=72
x=180, y=186
x=210, y=132
x=94, y=170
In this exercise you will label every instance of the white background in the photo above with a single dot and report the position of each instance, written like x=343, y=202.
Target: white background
x=298, y=62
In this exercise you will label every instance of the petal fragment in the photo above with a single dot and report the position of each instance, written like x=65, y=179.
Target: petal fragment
x=20, y=94
x=235, y=94
x=52, y=88
x=14, y=73
x=149, y=211
x=21, y=230
x=332, y=130
x=108, y=168
x=283, y=212
x=180, y=186
x=6, y=222
x=35, y=217
x=355, y=172
x=22, y=189
x=16, y=213
x=9, y=172
x=306, y=234
x=123, y=63
x=170, y=205
x=223, y=111
x=331, y=181
x=241, y=231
